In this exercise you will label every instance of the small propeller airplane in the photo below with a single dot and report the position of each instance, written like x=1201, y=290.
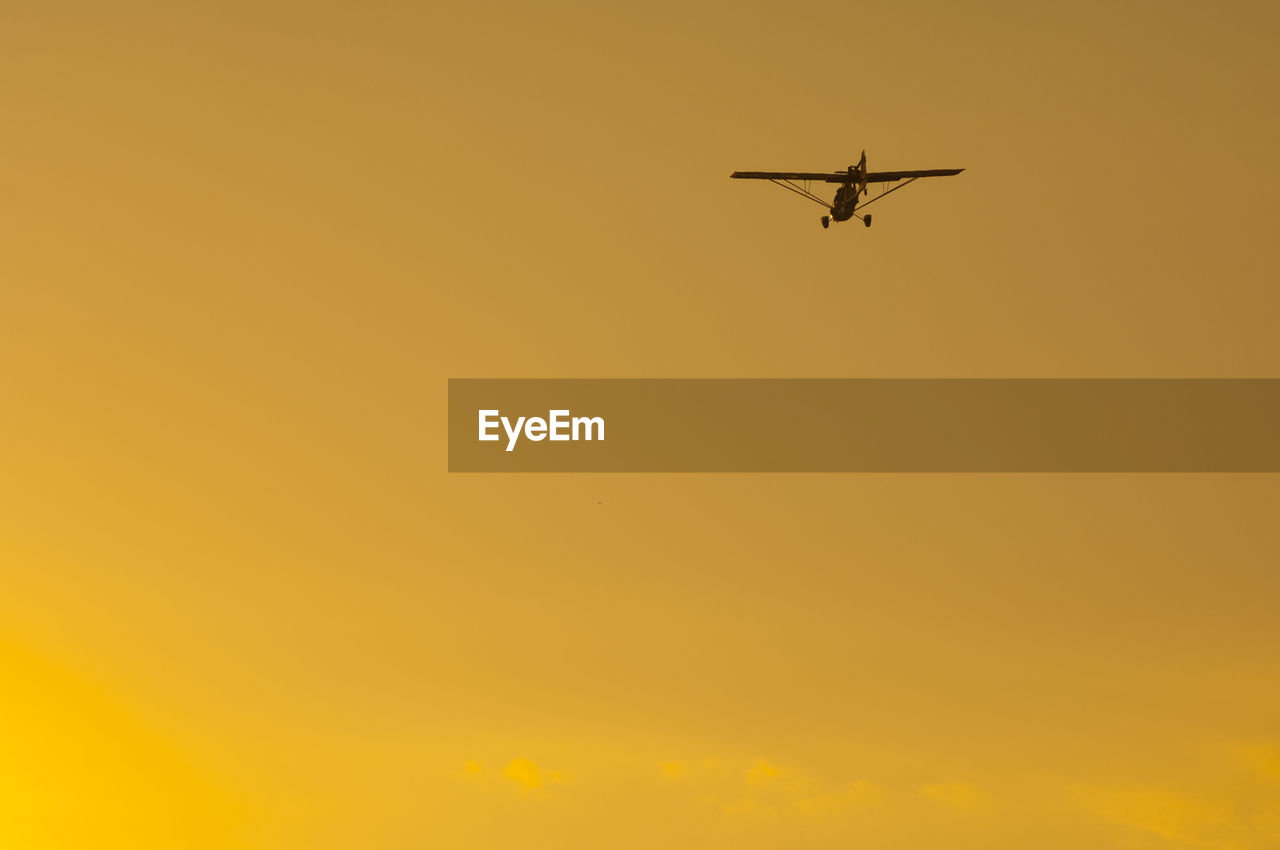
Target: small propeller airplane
x=853, y=186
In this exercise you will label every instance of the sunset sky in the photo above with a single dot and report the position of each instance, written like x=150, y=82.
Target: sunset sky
x=243, y=246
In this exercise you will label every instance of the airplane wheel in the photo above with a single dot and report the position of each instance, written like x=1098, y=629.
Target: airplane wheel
x=867, y=221
x=826, y=222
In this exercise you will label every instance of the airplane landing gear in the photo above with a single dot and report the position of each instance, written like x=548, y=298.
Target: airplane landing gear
x=826, y=222
x=866, y=220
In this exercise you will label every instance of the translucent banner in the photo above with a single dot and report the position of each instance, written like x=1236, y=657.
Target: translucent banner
x=864, y=425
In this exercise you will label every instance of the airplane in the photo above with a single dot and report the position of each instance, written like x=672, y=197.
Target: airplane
x=853, y=186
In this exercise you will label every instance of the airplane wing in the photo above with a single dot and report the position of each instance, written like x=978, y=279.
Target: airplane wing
x=821, y=177
x=843, y=176
x=890, y=176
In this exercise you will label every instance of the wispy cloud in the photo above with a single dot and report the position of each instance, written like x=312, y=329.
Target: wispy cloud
x=1236, y=808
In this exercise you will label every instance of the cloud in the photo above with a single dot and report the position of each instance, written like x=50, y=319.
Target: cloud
x=1178, y=818
x=1236, y=808
x=762, y=790
x=960, y=796
x=524, y=773
x=863, y=792
x=1264, y=758
x=761, y=773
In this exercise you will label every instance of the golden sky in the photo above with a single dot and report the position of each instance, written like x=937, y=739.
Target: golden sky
x=244, y=245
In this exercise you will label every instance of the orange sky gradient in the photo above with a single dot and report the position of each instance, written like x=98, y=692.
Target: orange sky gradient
x=243, y=247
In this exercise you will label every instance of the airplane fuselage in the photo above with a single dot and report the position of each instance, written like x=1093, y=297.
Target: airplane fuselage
x=845, y=202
